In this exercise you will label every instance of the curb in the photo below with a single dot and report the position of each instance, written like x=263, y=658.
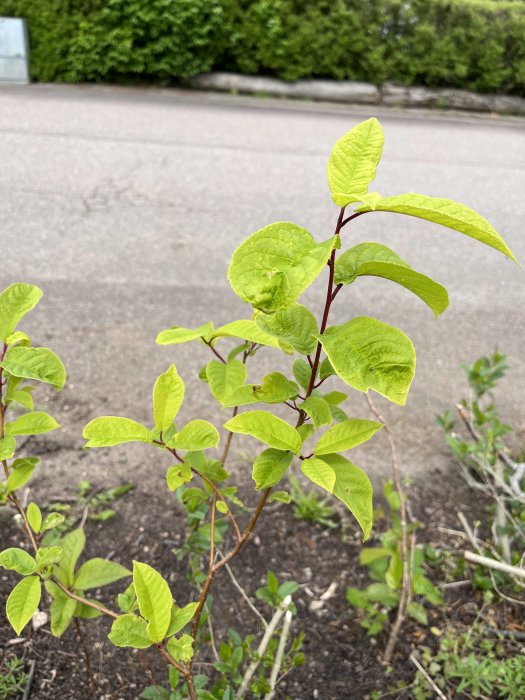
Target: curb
x=351, y=92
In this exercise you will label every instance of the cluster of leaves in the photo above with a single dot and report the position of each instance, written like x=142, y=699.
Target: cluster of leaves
x=13, y=677
x=309, y=506
x=475, y=45
x=385, y=567
x=474, y=664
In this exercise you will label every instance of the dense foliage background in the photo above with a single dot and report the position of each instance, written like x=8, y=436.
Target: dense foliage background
x=472, y=44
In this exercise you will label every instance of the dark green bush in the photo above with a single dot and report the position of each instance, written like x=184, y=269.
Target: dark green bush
x=470, y=44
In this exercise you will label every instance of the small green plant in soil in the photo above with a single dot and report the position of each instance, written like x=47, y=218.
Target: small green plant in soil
x=472, y=664
x=13, y=677
x=488, y=466
x=380, y=598
x=309, y=505
x=269, y=271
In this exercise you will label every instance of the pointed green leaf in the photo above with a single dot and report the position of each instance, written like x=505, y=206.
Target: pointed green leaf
x=305, y=430
x=319, y=472
x=62, y=610
x=21, y=471
x=447, y=213
x=7, y=447
x=418, y=613
x=177, y=334
x=280, y=497
x=18, y=337
x=334, y=398
x=178, y=475
x=318, y=410
x=47, y=556
x=181, y=649
x=23, y=397
x=369, y=354
x=376, y=260
x=302, y=373
x=224, y=379
x=15, y=302
x=249, y=330
x=270, y=467
x=267, y=428
x=295, y=324
x=154, y=599
x=168, y=395
x=97, y=572
x=23, y=602
x=33, y=423
x=16, y=559
x=107, y=431
x=72, y=545
x=275, y=388
x=353, y=162
x=181, y=616
x=35, y=363
x=129, y=631
x=353, y=488
x=52, y=520
x=274, y=266
x=346, y=435
x=196, y=435
x=34, y=517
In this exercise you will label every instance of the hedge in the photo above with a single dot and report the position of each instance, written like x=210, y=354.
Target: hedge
x=470, y=44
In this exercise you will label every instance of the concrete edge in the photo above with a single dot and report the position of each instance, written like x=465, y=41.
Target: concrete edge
x=351, y=92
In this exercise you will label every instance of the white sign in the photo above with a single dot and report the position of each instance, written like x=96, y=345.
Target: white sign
x=14, y=50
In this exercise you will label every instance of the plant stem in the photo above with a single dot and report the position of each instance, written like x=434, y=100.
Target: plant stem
x=89, y=670
x=228, y=439
x=215, y=352
x=221, y=498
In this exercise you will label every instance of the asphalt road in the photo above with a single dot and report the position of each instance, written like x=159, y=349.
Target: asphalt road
x=125, y=205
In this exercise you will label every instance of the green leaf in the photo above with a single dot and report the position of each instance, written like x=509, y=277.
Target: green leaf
x=295, y=325
x=181, y=649
x=353, y=162
x=23, y=602
x=274, y=266
x=177, y=334
x=267, y=428
x=353, y=488
x=97, y=572
x=23, y=397
x=16, y=559
x=72, y=544
x=107, y=431
x=370, y=554
x=15, y=302
x=129, y=631
x=325, y=369
x=270, y=467
x=302, y=372
x=46, y=556
x=7, y=447
x=181, y=616
x=18, y=337
x=423, y=586
x=275, y=388
x=178, y=475
x=62, y=610
x=447, y=213
x=52, y=520
x=225, y=379
x=168, y=394
x=383, y=594
x=196, y=435
x=34, y=517
x=418, y=613
x=33, y=423
x=318, y=410
x=334, y=398
x=369, y=354
x=21, y=472
x=280, y=496
x=346, y=435
x=35, y=363
x=154, y=599
x=377, y=260
x=320, y=473
x=86, y=612
x=249, y=330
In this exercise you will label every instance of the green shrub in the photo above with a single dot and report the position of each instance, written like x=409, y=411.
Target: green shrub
x=469, y=44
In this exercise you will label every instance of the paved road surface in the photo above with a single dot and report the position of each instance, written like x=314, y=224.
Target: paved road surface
x=125, y=205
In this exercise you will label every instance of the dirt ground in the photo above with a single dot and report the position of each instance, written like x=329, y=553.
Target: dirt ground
x=341, y=661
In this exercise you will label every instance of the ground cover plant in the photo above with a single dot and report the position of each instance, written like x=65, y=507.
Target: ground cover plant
x=269, y=271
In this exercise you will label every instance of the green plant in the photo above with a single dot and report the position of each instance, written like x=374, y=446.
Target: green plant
x=385, y=568
x=13, y=677
x=269, y=271
x=310, y=506
x=475, y=664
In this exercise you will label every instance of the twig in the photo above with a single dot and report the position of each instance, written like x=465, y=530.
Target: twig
x=427, y=677
x=279, y=655
x=404, y=598
x=243, y=593
x=212, y=638
x=29, y=682
x=283, y=607
x=493, y=564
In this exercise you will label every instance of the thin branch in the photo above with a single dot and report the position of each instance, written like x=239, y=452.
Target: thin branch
x=427, y=677
x=243, y=593
x=229, y=438
x=221, y=498
x=353, y=216
x=279, y=655
x=494, y=564
x=215, y=352
x=85, y=601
